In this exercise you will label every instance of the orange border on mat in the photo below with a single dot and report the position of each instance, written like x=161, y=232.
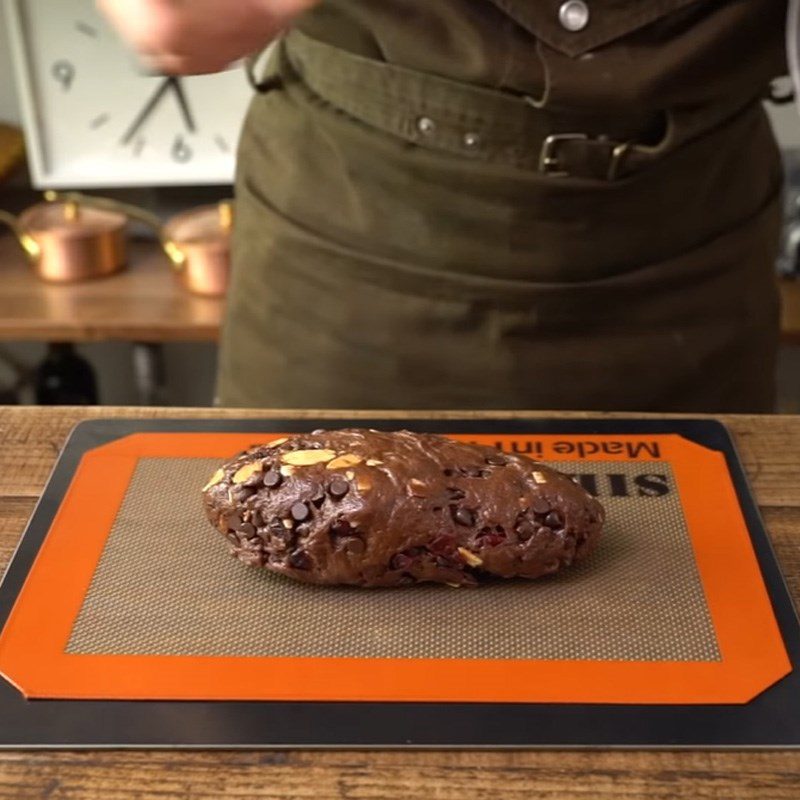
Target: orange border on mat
x=32, y=644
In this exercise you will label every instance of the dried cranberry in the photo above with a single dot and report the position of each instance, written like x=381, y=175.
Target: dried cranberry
x=401, y=561
x=490, y=539
x=443, y=544
x=341, y=527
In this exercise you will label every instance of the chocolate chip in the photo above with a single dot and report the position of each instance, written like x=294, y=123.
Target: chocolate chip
x=540, y=505
x=339, y=488
x=273, y=479
x=300, y=512
x=354, y=545
x=318, y=498
x=455, y=493
x=553, y=520
x=525, y=530
x=449, y=472
x=247, y=529
x=496, y=461
x=463, y=516
x=300, y=560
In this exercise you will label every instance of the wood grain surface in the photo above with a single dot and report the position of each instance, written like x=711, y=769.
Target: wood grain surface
x=146, y=303
x=30, y=440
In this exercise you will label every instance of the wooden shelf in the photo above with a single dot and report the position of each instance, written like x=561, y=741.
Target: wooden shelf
x=146, y=303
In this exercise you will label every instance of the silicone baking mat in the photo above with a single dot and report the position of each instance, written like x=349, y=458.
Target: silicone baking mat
x=125, y=599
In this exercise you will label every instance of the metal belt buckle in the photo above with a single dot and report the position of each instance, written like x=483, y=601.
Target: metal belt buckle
x=548, y=158
x=549, y=163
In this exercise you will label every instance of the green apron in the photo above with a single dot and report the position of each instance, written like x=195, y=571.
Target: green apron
x=414, y=236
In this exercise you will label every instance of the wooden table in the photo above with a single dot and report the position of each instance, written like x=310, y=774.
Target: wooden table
x=30, y=440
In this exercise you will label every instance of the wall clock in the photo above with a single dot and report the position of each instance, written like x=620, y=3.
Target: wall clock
x=94, y=117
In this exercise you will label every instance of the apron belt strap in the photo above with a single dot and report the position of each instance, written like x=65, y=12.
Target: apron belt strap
x=467, y=120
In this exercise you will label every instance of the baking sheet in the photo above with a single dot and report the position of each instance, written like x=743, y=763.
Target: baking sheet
x=592, y=619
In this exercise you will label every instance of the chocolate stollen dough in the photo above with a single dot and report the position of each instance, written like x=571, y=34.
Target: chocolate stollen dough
x=368, y=508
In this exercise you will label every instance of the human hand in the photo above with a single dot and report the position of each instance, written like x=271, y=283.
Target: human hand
x=189, y=37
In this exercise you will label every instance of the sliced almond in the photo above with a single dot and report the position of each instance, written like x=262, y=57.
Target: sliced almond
x=278, y=442
x=308, y=458
x=350, y=475
x=416, y=487
x=287, y=471
x=373, y=462
x=470, y=557
x=288, y=524
x=345, y=461
x=539, y=477
x=247, y=471
x=216, y=478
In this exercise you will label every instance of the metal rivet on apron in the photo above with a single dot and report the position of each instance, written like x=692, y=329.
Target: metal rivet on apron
x=574, y=15
x=471, y=140
x=426, y=125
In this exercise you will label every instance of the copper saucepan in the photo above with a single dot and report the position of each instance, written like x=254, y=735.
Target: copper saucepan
x=198, y=243
x=72, y=237
x=67, y=241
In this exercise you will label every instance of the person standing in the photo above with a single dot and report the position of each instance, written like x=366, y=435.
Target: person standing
x=497, y=203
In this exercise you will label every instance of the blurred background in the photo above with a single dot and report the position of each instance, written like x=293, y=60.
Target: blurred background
x=147, y=335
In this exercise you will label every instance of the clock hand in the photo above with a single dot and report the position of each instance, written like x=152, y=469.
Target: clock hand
x=146, y=111
x=177, y=86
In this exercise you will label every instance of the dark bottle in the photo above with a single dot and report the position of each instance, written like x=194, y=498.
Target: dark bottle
x=65, y=378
